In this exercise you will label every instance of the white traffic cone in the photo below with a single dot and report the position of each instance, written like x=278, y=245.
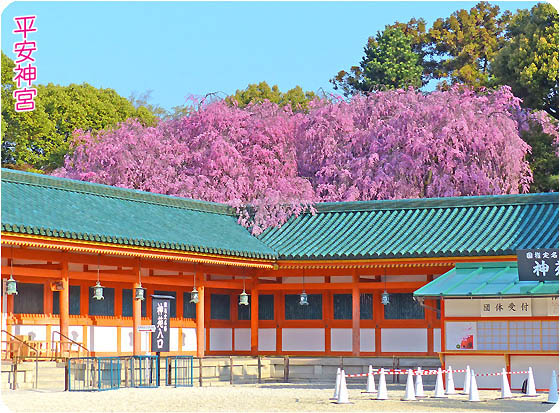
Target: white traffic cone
x=409, y=392
x=473, y=390
x=450, y=388
x=382, y=391
x=553, y=389
x=506, y=391
x=370, y=386
x=439, y=393
x=531, y=390
x=419, y=389
x=343, y=391
x=467, y=383
x=337, y=385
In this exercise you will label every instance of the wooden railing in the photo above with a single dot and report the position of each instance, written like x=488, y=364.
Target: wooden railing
x=15, y=357
x=60, y=346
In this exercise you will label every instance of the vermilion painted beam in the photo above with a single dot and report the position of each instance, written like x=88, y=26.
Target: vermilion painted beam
x=200, y=318
x=355, y=316
x=254, y=320
x=64, y=303
x=342, y=286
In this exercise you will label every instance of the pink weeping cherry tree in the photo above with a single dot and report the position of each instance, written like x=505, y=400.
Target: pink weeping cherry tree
x=270, y=163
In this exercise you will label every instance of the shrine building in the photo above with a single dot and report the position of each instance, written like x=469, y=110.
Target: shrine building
x=359, y=264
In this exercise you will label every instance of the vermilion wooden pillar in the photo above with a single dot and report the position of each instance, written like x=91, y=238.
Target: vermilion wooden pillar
x=136, y=321
x=355, y=315
x=64, y=303
x=255, y=319
x=200, y=317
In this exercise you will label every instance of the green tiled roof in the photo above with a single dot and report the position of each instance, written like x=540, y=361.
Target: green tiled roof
x=488, y=279
x=411, y=228
x=44, y=205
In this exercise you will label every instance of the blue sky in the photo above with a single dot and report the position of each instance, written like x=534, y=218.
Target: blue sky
x=177, y=49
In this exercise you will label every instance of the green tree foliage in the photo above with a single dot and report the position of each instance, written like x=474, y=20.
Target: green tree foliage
x=529, y=61
x=257, y=93
x=389, y=63
x=464, y=44
x=39, y=140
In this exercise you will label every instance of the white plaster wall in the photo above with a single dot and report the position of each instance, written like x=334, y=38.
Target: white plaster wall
x=220, y=339
x=539, y=307
x=188, y=342
x=299, y=280
x=462, y=307
x=267, y=339
x=542, y=370
x=480, y=364
x=127, y=340
x=76, y=333
x=242, y=339
x=402, y=278
x=102, y=339
x=341, y=279
x=404, y=340
x=367, y=339
x=37, y=332
x=165, y=272
x=437, y=340
x=174, y=339
x=341, y=339
x=303, y=339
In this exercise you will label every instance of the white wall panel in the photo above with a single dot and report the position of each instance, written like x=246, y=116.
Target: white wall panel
x=220, y=339
x=542, y=370
x=299, y=280
x=188, y=342
x=36, y=332
x=76, y=333
x=404, y=340
x=459, y=307
x=303, y=339
x=437, y=340
x=341, y=339
x=402, y=278
x=480, y=364
x=103, y=339
x=267, y=339
x=174, y=339
x=127, y=340
x=341, y=279
x=242, y=339
x=367, y=339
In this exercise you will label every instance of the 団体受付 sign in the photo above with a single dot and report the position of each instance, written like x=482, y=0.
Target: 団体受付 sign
x=506, y=307
x=538, y=264
x=160, y=319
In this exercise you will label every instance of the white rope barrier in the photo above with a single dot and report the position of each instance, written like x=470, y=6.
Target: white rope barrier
x=431, y=372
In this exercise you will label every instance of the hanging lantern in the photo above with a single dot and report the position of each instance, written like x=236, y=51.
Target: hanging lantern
x=243, y=298
x=303, y=298
x=139, y=293
x=385, y=298
x=194, y=295
x=98, y=291
x=11, y=286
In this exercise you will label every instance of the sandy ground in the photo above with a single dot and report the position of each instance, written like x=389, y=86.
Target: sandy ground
x=274, y=397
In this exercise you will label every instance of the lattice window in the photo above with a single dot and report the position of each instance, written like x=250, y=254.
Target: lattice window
x=524, y=335
x=189, y=309
x=492, y=335
x=550, y=335
x=219, y=307
x=74, y=300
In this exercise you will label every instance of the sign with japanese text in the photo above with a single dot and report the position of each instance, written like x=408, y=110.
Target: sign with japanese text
x=538, y=264
x=25, y=69
x=460, y=335
x=160, y=319
x=510, y=307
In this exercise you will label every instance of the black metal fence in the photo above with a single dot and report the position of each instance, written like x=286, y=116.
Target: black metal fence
x=109, y=373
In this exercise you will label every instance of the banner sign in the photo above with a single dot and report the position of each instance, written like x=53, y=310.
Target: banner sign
x=552, y=306
x=160, y=319
x=460, y=335
x=538, y=264
x=506, y=307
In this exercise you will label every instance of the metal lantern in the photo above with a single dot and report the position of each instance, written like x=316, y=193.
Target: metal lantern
x=303, y=298
x=139, y=293
x=11, y=286
x=194, y=295
x=243, y=298
x=98, y=291
x=385, y=298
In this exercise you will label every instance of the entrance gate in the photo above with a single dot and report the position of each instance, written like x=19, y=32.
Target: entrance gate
x=179, y=371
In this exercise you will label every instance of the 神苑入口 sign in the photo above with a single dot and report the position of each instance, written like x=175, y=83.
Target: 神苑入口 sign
x=160, y=319
x=538, y=264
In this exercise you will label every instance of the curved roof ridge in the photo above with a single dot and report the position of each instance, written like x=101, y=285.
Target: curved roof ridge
x=440, y=202
x=73, y=185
